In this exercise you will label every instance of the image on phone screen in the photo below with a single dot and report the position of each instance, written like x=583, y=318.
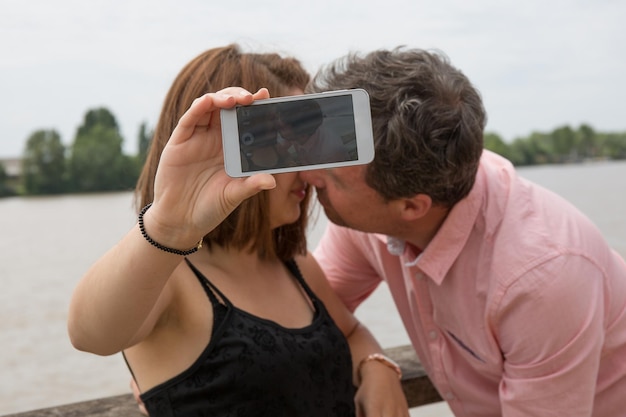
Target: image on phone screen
x=297, y=133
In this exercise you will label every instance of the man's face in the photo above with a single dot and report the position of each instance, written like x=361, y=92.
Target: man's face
x=288, y=133
x=348, y=200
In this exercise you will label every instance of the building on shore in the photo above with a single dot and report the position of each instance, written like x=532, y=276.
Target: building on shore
x=12, y=166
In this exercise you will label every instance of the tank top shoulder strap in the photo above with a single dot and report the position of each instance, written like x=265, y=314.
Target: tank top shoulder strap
x=295, y=270
x=208, y=286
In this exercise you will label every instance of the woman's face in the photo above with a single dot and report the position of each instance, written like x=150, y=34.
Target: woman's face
x=285, y=199
x=290, y=190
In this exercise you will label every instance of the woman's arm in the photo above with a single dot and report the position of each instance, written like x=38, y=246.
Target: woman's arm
x=122, y=296
x=379, y=390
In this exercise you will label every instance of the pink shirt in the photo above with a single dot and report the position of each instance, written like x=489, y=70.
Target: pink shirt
x=517, y=307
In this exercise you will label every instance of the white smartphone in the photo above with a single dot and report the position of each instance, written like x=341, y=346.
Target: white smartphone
x=296, y=133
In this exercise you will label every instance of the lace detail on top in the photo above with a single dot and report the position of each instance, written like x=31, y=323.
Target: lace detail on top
x=255, y=367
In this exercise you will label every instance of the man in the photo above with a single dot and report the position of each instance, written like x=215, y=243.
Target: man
x=513, y=300
x=302, y=125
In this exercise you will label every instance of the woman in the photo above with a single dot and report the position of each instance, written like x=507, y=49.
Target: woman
x=212, y=298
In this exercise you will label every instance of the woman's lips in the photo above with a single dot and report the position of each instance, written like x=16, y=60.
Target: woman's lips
x=300, y=192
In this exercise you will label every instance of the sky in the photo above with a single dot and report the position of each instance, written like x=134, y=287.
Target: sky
x=538, y=64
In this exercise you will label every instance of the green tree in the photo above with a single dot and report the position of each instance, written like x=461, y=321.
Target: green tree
x=522, y=152
x=563, y=142
x=5, y=189
x=586, y=144
x=494, y=142
x=562, y=145
x=144, y=138
x=97, y=162
x=43, y=163
x=540, y=148
x=614, y=145
x=97, y=117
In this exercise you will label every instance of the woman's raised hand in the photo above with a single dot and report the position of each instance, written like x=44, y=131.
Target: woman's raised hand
x=192, y=193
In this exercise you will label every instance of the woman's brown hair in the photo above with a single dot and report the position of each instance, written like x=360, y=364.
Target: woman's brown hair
x=215, y=69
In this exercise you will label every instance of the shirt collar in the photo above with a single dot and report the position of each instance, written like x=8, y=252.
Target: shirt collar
x=443, y=250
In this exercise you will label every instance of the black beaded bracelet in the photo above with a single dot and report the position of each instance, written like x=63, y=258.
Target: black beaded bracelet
x=157, y=244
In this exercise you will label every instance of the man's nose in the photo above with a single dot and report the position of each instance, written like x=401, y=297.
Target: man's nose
x=312, y=177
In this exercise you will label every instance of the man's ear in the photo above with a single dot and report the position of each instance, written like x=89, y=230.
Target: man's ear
x=415, y=207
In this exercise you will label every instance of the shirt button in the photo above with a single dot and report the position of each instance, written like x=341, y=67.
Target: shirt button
x=419, y=276
x=432, y=334
x=449, y=396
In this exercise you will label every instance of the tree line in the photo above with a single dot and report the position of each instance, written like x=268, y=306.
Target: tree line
x=95, y=161
x=563, y=145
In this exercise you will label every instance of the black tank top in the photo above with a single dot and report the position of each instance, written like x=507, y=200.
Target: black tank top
x=255, y=367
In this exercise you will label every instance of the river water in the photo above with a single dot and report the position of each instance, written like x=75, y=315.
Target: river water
x=47, y=243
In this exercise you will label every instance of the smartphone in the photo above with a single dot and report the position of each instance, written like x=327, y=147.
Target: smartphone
x=296, y=133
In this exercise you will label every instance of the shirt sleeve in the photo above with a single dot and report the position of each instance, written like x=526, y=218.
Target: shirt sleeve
x=550, y=325
x=343, y=255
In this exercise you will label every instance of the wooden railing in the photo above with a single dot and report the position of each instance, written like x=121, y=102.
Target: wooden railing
x=416, y=385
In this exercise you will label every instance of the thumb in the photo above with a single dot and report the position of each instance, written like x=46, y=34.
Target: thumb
x=242, y=190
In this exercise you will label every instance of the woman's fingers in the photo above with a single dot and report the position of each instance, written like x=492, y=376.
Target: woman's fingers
x=201, y=114
x=241, y=189
x=262, y=94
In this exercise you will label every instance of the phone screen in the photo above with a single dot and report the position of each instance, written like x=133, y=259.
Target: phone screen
x=297, y=133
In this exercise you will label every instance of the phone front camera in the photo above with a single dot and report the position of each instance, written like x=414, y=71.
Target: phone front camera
x=247, y=139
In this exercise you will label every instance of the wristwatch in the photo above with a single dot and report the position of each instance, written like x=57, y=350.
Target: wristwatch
x=379, y=357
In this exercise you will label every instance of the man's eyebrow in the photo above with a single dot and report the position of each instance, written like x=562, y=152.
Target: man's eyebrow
x=334, y=178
